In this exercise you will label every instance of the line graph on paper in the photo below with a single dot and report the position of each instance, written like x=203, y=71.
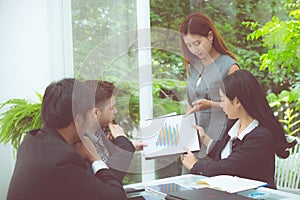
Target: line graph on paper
x=168, y=136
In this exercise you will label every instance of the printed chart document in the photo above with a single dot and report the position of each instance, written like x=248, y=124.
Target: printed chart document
x=168, y=135
x=230, y=184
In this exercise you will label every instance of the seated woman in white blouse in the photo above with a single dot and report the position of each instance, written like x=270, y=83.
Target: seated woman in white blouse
x=253, y=136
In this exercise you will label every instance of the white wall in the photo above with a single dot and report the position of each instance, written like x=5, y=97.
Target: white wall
x=34, y=44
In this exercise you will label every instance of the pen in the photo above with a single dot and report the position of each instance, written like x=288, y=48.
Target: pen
x=135, y=190
x=165, y=116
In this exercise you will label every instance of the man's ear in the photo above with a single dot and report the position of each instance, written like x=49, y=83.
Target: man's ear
x=96, y=112
x=210, y=35
x=78, y=121
x=236, y=102
x=72, y=124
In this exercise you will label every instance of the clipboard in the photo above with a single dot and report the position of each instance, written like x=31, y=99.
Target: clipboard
x=169, y=135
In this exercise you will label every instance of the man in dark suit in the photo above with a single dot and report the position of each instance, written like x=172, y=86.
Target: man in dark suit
x=52, y=161
x=112, y=144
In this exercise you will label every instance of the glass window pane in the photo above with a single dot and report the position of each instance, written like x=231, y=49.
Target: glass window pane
x=104, y=45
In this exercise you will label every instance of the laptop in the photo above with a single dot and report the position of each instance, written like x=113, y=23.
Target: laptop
x=204, y=194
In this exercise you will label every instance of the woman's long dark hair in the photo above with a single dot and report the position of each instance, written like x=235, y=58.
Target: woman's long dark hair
x=243, y=85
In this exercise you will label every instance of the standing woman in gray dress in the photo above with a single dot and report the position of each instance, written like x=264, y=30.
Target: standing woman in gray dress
x=207, y=61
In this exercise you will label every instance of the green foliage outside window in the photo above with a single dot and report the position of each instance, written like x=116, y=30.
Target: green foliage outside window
x=282, y=61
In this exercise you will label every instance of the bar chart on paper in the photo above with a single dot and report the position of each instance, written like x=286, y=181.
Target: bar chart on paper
x=169, y=135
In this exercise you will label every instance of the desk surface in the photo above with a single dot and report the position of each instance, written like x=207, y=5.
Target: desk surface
x=191, y=180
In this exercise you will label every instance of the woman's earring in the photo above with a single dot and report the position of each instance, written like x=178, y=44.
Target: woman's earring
x=211, y=41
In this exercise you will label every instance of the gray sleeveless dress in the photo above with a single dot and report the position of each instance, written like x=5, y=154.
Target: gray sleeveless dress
x=212, y=120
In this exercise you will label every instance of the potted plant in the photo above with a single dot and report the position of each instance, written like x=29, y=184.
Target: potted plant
x=17, y=118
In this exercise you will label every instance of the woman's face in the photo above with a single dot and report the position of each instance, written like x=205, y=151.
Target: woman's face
x=229, y=107
x=198, y=45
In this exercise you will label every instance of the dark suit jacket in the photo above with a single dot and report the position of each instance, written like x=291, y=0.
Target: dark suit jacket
x=252, y=158
x=120, y=150
x=49, y=168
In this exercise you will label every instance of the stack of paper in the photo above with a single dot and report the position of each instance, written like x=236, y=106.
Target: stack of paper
x=231, y=184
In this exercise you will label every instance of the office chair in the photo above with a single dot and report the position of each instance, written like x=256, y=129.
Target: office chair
x=287, y=174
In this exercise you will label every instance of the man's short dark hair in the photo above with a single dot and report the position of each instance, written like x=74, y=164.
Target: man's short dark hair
x=103, y=91
x=63, y=100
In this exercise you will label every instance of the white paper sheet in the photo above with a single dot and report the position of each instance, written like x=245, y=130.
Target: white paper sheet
x=231, y=184
x=168, y=135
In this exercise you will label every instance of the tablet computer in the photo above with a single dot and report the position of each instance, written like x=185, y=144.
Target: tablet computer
x=166, y=188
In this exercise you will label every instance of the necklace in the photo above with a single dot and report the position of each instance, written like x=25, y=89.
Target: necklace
x=200, y=77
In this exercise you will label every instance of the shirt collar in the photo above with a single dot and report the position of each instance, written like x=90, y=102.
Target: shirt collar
x=235, y=128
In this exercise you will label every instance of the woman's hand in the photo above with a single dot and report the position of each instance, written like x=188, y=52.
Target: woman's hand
x=188, y=160
x=199, y=105
x=204, y=138
x=139, y=145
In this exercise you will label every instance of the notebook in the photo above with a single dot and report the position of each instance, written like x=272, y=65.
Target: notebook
x=231, y=184
x=204, y=194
